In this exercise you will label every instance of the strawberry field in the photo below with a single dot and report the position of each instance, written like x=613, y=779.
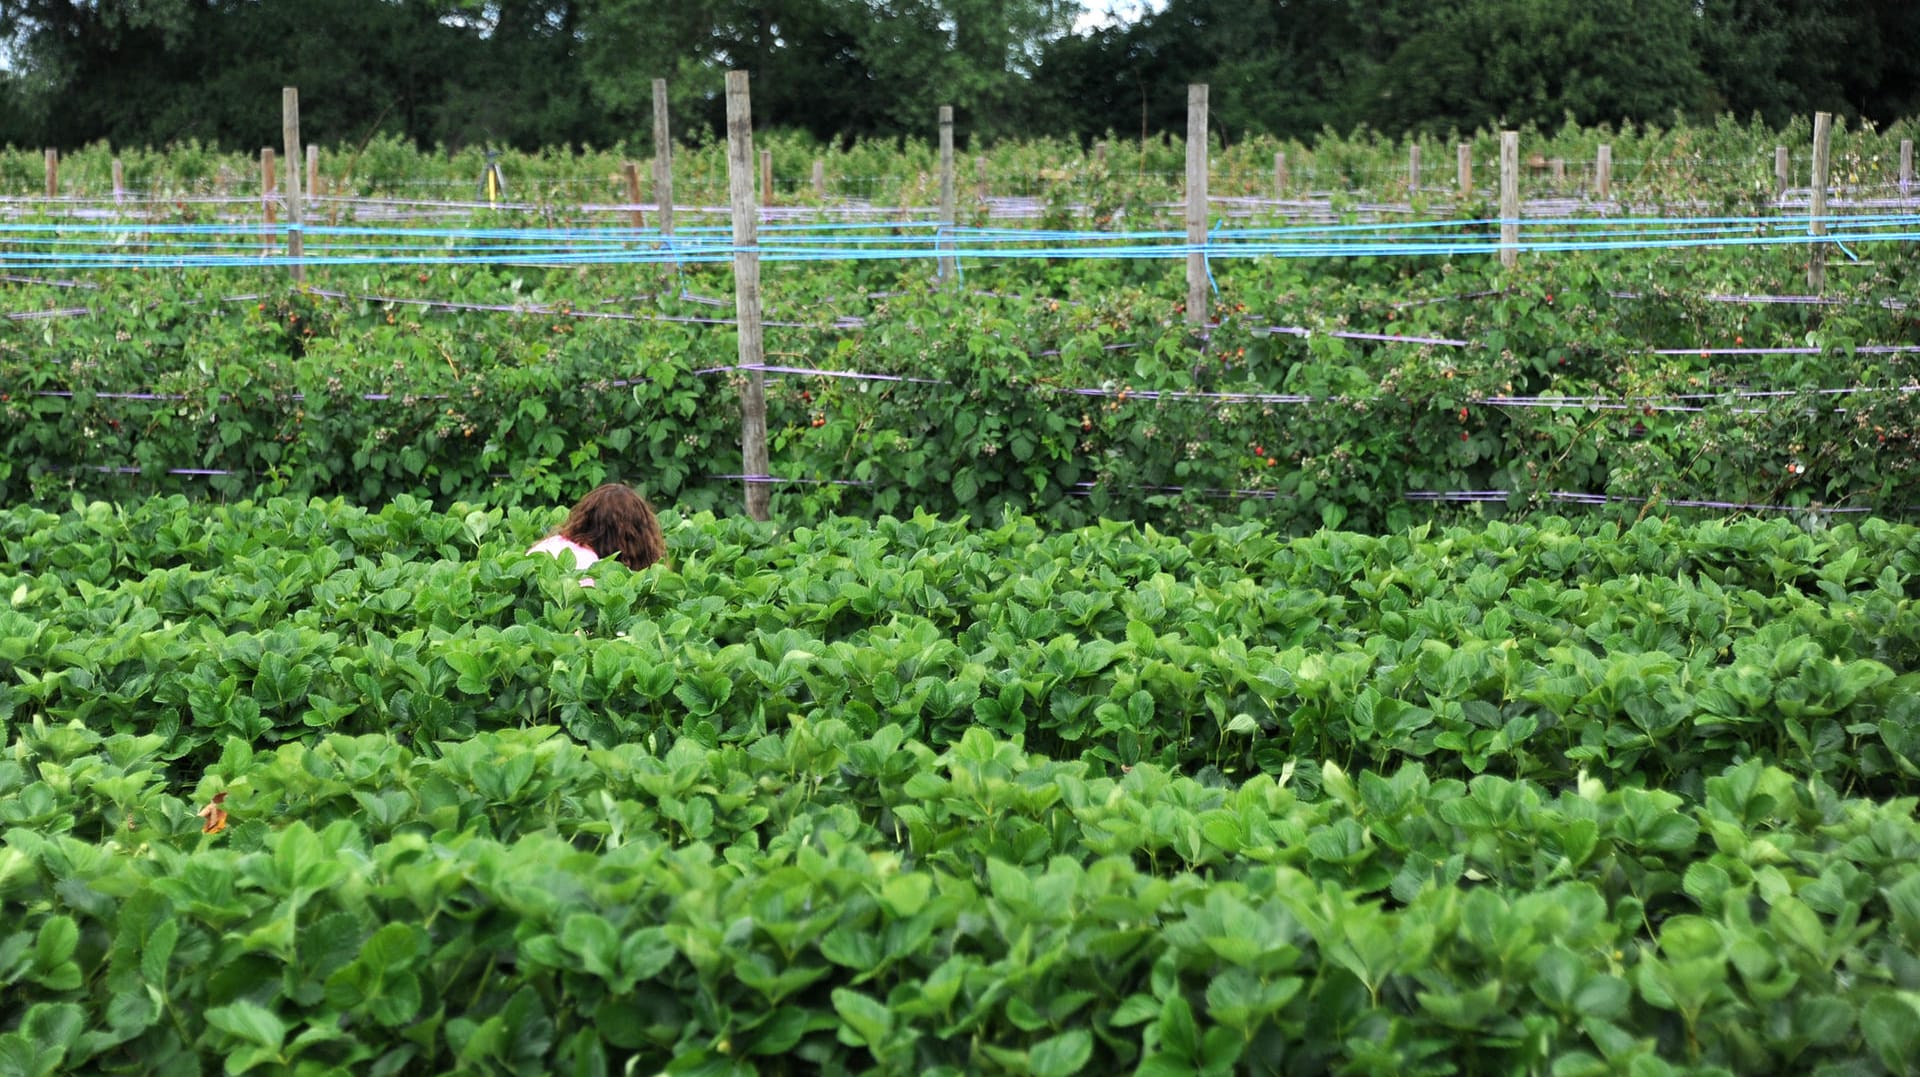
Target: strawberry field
x=1406, y=666
x=907, y=794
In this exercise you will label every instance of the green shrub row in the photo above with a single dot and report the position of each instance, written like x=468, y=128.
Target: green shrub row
x=1076, y=392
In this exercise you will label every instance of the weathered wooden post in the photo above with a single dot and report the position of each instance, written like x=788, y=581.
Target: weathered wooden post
x=1196, y=203
x=1817, y=203
x=1603, y=174
x=662, y=159
x=53, y=173
x=1280, y=175
x=1509, y=199
x=1464, y=169
x=313, y=170
x=1781, y=171
x=819, y=179
x=766, y=177
x=290, y=134
x=947, y=208
x=1906, y=166
x=636, y=218
x=746, y=295
x=119, y=180
x=1413, y=170
x=269, y=186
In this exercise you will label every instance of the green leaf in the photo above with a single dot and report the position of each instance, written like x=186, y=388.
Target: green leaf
x=868, y=1022
x=1062, y=1055
x=250, y=1022
x=21, y=1057
x=1891, y=1026
x=1179, y=1036
x=58, y=937
x=592, y=939
x=159, y=952
x=905, y=895
x=394, y=947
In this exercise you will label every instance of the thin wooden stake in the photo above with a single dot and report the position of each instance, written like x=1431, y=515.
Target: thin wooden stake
x=53, y=173
x=746, y=295
x=1279, y=175
x=269, y=186
x=819, y=179
x=1906, y=166
x=313, y=170
x=1603, y=174
x=1413, y=169
x=1464, y=167
x=290, y=134
x=1509, y=199
x=1781, y=171
x=119, y=180
x=635, y=217
x=766, y=177
x=1817, y=203
x=662, y=159
x=947, y=208
x=1196, y=203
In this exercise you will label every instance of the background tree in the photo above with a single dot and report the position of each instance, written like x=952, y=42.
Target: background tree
x=552, y=72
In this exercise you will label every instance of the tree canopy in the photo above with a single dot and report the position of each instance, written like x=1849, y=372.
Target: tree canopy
x=535, y=73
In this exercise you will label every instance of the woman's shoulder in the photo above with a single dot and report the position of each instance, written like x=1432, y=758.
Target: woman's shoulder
x=553, y=544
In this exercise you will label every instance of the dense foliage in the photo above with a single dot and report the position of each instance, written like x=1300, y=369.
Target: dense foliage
x=532, y=73
x=1323, y=391
x=350, y=784
x=1499, y=799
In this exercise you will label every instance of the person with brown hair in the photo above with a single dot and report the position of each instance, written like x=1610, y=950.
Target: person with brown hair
x=611, y=521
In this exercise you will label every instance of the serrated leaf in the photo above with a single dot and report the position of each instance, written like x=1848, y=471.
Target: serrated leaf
x=1892, y=1029
x=1062, y=1055
x=250, y=1022
x=867, y=1020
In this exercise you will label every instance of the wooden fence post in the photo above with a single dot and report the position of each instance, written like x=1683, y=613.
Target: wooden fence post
x=290, y=134
x=1603, y=174
x=119, y=180
x=1464, y=168
x=947, y=208
x=1413, y=170
x=766, y=177
x=1509, y=199
x=269, y=186
x=819, y=179
x=746, y=295
x=1280, y=175
x=1817, y=204
x=313, y=170
x=53, y=173
x=1780, y=173
x=635, y=218
x=662, y=159
x=1196, y=203
x=1906, y=166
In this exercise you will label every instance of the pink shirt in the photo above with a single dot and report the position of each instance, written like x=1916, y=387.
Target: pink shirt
x=582, y=557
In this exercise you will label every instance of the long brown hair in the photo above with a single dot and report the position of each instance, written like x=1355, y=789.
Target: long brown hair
x=614, y=521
